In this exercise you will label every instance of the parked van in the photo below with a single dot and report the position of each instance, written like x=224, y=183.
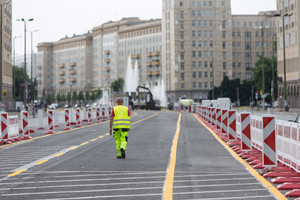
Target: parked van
x=224, y=103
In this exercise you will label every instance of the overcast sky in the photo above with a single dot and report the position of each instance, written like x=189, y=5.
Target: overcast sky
x=57, y=18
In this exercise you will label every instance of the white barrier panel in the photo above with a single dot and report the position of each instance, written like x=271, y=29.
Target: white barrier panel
x=219, y=118
x=232, y=125
x=90, y=120
x=269, y=138
x=246, y=132
x=50, y=122
x=56, y=121
x=25, y=125
x=256, y=132
x=213, y=116
x=13, y=129
x=40, y=116
x=72, y=120
x=4, y=129
x=67, y=120
x=78, y=122
x=98, y=115
x=84, y=118
x=238, y=125
x=224, y=121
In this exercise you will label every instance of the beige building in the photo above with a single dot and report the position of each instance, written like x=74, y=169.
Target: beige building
x=203, y=42
x=7, y=82
x=289, y=25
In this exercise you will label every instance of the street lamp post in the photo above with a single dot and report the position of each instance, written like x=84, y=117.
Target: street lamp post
x=32, y=90
x=14, y=71
x=25, y=73
x=1, y=92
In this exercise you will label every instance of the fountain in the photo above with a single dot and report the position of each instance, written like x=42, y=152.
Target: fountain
x=105, y=98
x=132, y=81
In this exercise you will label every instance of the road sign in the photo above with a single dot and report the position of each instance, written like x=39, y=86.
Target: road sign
x=256, y=95
x=260, y=91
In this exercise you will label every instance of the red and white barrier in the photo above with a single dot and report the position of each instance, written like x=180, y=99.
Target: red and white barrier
x=72, y=120
x=109, y=111
x=130, y=109
x=269, y=138
x=78, y=122
x=84, y=119
x=219, y=118
x=224, y=122
x=209, y=115
x=40, y=116
x=104, y=112
x=4, y=128
x=25, y=125
x=67, y=120
x=50, y=122
x=246, y=132
x=98, y=115
x=232, y=125
x=56, y=121
x=213, y=116
x=90, y=120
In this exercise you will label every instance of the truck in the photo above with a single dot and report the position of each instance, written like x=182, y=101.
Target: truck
x=151, y=104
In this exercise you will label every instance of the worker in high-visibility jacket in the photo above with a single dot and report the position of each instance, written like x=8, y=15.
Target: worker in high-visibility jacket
x=120, y=122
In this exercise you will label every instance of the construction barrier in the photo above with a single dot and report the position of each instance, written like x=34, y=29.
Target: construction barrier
x=56, y=121
x=130, y=109
x=90, y=120
x=72, y=121
x=269, y=141
x=67, y=120
x=213, y=116
x=4, y=129
x=209, y=115
x=232, y=136
x=40, y=116
x=246, y=132
x=25, y=125
x=50, y=122
x=224, y=122
x=219, y=118
x=109, y=111
x=78, y=122
x=84, y=118
x=98, y=115
x=104, y=113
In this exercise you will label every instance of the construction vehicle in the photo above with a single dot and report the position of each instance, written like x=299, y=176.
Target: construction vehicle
x=151, y=104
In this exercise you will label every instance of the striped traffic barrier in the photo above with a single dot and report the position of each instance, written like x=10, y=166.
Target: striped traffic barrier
x=90, y=120
x=232, y=125
x=4, y=128
x=224, y=127
x=72, y=121
x=84, y=119
x=219, y=118
x=213, y=116
x=98, y=115
x=40, y=116
x=67, y=120
x=269, y=141
x=246, y=132
x=25, y=125
x=78, y=122
x=103, y=112
x=56, y=121
x=209, y=115
x=109, y=111
x=50, y=122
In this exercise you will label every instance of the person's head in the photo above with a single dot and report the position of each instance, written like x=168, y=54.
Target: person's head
x=120, y=101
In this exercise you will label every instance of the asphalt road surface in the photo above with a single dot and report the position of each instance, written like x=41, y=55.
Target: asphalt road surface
x=169, y=155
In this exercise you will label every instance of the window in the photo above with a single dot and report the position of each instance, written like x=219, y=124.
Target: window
x=182, y=45
x=181, y=35
x=204, y=3
x=245, y=24
x=233, y=24
x=292, y=39
x=239, y=54
x=211, y=74
x=181, y=24
x=233, y=64
x=248, y=35
x=194, y=64
x=194, y=54
x=250, y=24
x=292, y=20
x=248, y=65
x=224, y=34
x=205, y=43
x=257, y=24
x=239, y=75
x=210, y=3
x=194, y=85
x=182, y=65
x=223, y=24
x=248, y=55
x=211, y=64
x=238, y=44
x=182, y=55
x=181, y=14
x=199, y=3
x=205, y=33
x=205, y=64
x=193, y=13
x=223, y=3
x=193, y=3
x=205, y=54
x=199, y=43
x=211, y=43
x=194, y=74
x=248, y=76
x=211, y=33
x=199, y=23
x=211, y=13
x=233, y=75
x=224, y=74
x=257, y=54
x=224, y=45
x=224, y=65
x=181, y=4
x=199, y=34
x=199, y=54
x=224, y=14
x=224, y=55
x=233, y=44
x=205, y=85
x=200, y=64
x=205, y=74
x=48, y=77
x=233, y=34
x=193, y=23
x=204, y=13
x=193, y=43
x=238, y=24
x=233, y=54
x=248, y=46
x=199, y=13
x=238, y=34
x=257, y=44
x=205, y=23
x=200, y=84
x=182, y=85
x=200, y=74
x=211, y=23
x=193, y=33
x=182, y=76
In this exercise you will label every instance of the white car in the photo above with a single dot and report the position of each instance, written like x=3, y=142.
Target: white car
x=53, y=106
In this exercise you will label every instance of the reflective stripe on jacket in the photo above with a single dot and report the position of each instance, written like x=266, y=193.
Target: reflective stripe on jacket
x=121, y=119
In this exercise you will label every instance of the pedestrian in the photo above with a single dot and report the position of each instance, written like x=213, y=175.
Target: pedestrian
x=120, y=122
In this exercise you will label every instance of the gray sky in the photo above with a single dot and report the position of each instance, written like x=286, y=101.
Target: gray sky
x=57, y=18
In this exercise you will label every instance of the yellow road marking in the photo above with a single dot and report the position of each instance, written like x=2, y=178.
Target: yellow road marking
x=93, y=140
x=144, y=119
x=73, y=148
x=266, y=183
x=84, y=143
x=17, y=172
x=107, y=134
x=168, y=190
x=60, y=154
x=41, y=162
x=101, y=137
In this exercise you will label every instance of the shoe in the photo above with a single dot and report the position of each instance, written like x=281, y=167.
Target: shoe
x=123, y=153
x=119, y=157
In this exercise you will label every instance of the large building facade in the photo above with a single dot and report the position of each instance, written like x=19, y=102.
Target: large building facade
x=193, y=46
x=287, y=39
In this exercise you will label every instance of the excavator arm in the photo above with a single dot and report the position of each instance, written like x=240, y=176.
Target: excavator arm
x=150, y=94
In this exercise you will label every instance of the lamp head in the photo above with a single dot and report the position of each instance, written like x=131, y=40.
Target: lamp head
x=23, y=20
x=30, y=19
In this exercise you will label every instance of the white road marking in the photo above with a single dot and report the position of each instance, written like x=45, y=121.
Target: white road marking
x=229, y=198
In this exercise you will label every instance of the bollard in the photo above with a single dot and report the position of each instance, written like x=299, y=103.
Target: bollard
x=219, y=118
x=67, y=120
x=269, y=141
x=78, y=122
x=232, y=125
x=84, y=115
x=25, y=126
x=56, y=122
x=50, y=122
x=40, y=116
x=72, y=121
x=268, y=111
x=246, y=132
x=4, y=129
x=90, y=120
x=98, y=115
x=224, y=121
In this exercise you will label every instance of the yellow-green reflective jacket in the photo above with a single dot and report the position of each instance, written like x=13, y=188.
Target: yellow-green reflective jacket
x=121, y=119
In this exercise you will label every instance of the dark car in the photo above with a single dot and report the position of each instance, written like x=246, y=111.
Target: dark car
x=170, y=106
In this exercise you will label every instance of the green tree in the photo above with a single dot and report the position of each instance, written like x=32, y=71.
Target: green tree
x=68, y=97
x=58, y=97
x=63, y=97
x=118, y=85
x=48, y=99
x=18, y=79
x=52, y=98
x=99, y=93
x=80, y=96
x=87, y=96
x=74, y=96
x=257, y=76
x=93, y=96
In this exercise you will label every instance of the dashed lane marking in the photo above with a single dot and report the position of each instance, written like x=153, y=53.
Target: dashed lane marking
x=93, y=140
x=60, y=154
x=263, y=181
x=84, y=143
x=41, y=162
x=17, y=172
